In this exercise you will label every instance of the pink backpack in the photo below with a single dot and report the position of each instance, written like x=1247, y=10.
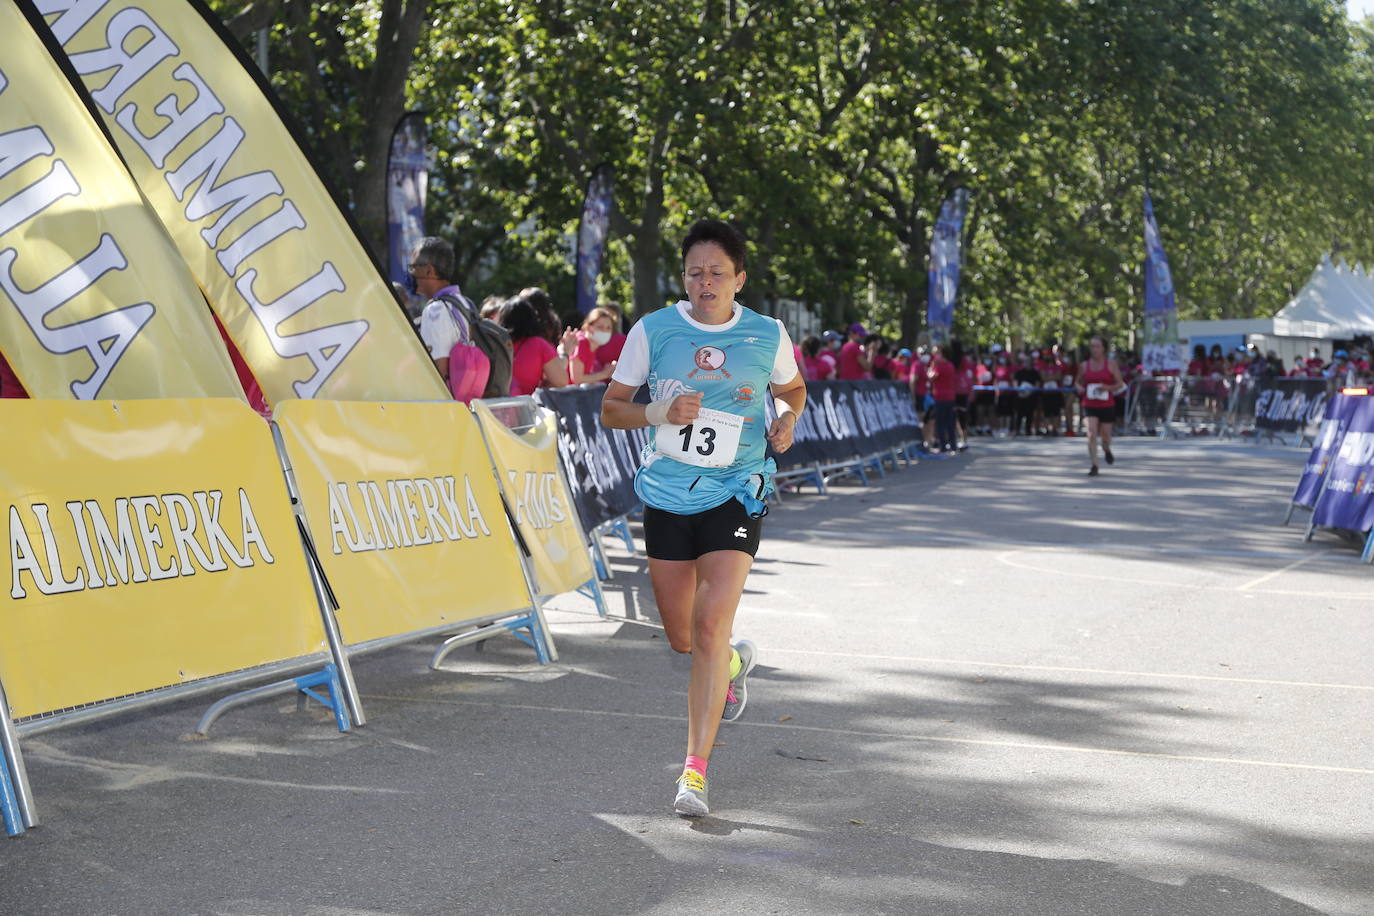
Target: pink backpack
x=468, y=367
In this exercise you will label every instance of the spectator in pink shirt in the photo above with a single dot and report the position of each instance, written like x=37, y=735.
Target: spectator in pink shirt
x=830, y=351
x=854, y=360
x=536, y=364
x=901, y=365
x=943, y=385
x=597, y=330
x=814, y=367
x=609, y=352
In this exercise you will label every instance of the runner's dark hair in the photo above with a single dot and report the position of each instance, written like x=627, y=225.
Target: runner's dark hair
x=723, y=234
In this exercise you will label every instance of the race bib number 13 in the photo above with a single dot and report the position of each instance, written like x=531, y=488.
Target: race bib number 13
x=709, y=441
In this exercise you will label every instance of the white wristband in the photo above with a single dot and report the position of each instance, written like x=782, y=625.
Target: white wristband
x=656, y=412
x=781, y=407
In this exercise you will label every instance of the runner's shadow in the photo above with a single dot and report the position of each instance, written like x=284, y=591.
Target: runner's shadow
x=719, y=826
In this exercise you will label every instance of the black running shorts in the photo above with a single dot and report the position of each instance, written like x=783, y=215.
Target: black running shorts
x=669, y=536
x=1103, y=414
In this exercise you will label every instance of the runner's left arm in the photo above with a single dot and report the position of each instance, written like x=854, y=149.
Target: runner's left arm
x=790, y=399
x=1119, y=382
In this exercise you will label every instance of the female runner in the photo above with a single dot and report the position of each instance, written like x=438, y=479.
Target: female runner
x=1099, y=381
x=704, y=479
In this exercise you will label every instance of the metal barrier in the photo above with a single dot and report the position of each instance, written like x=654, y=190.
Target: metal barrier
x=145, y=440
x=1148, y=402
x=526, y=415
x=1199, y=405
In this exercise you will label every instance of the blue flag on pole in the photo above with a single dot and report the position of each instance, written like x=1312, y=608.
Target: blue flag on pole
x=946, y=254
x=591, y=234
x=1161, y=352
x=407, y=183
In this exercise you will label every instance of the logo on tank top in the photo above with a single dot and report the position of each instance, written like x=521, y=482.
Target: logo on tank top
x=745, y=393
x=709, y=360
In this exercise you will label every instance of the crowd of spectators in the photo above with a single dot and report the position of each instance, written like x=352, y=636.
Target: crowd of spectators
x=546, y=351
x=959, y=392
x=1345, y=367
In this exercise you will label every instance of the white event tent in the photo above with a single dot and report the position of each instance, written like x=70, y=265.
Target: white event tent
x=1336, y=303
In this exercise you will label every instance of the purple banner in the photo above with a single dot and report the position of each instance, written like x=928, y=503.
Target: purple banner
x=946, y=254
x=407, y=182
x=1161, y=351
x=1347, y=498
x=1328, y=440
x=591, y=234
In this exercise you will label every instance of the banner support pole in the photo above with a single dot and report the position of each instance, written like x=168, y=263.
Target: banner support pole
x=1312, y=521
x=14, y=761
x=324, y=595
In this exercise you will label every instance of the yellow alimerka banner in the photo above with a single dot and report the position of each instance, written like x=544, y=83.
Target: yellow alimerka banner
x=287, y=274
x=95, y=301
x=404, y=512
x=542, y=506
x=150, y=543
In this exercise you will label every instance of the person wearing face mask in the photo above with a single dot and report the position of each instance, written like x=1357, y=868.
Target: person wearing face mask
x=609, y=352
x=920, y=396
x=983, y=401
x=830, y=352
x=597, y=330
x=1002, y=378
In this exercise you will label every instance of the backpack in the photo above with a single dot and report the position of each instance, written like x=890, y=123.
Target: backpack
x=479, y=364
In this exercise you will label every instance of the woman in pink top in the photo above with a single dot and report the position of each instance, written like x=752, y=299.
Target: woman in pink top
x=597, y=330
x=1099, y=382
x=609, y=352
x=537, y=364
x=901, y=366
x=814, y=368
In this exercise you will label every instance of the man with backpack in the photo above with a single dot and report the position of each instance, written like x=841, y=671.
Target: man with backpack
x=473, y=354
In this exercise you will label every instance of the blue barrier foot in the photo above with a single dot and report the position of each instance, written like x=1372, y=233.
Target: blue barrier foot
x=327, y=677
x=526, y=629
x=622, y=527
x=9, y=802
x=520, y=628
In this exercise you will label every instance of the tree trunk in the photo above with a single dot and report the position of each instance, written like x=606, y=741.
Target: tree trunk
x=397, y=36
x=757, y=288
x=645, y=261
x=918, y=288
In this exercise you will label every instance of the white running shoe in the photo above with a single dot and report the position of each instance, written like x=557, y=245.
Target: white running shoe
x=691, y=795
x=737, y=694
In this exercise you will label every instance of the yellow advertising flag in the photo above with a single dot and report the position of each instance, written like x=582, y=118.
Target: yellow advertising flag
x=151, y=543
x=95, y=301
x=404, y=512
x=281, y=265
x=528, y=462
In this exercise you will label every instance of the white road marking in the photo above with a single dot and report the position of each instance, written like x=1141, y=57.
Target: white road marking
x=124, y=775
x=1281, y=570
x=899, y=736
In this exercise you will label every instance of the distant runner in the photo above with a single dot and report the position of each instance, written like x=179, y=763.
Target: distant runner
x=1099, y=382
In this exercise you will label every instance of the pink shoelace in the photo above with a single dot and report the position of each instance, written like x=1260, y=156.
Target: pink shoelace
x=730, y=693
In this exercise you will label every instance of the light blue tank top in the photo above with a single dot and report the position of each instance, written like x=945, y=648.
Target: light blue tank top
x=731, y=368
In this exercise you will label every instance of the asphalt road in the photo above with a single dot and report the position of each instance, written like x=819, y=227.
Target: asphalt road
x=988, y=685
